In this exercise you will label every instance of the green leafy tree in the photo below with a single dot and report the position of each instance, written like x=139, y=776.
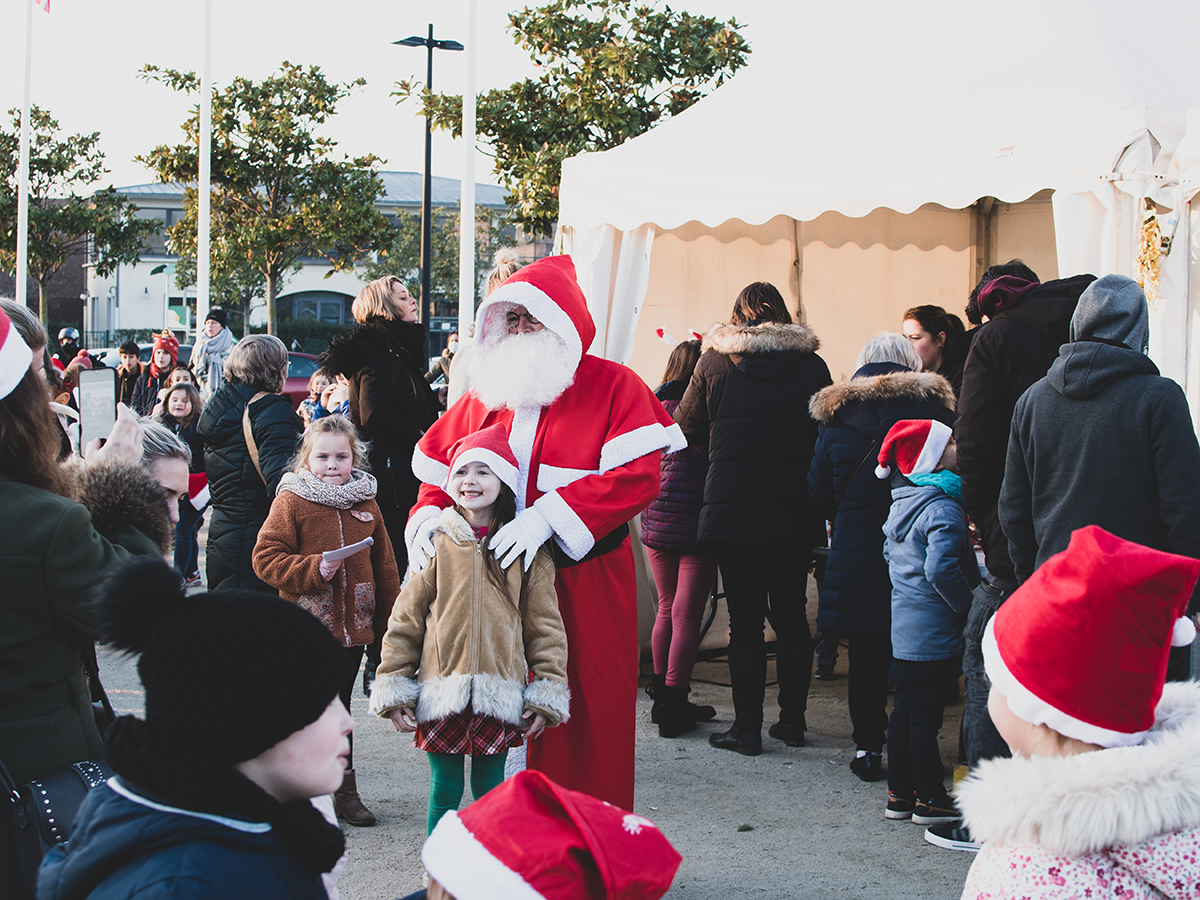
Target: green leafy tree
x=611, y=70
x=65, y=213
x=278, y=196
x=402, y=255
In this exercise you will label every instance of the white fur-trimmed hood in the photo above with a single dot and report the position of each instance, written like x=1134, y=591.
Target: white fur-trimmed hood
x=749, y=340
x=874, y=388
x=1081, y=804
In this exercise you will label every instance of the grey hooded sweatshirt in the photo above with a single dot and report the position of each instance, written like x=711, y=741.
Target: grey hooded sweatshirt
x=1102, y=440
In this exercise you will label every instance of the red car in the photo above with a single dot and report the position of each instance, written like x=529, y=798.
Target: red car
x=300, y=368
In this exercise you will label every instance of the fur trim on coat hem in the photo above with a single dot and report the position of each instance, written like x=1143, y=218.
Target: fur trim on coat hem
x=771, y=337
x=117, y=494
x=892, y=386
x=487, y=695
x=392, y=692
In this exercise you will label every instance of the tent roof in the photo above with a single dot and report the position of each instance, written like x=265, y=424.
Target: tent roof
x=854, y=106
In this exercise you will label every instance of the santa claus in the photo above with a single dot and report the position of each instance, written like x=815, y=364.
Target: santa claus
x=586, y=433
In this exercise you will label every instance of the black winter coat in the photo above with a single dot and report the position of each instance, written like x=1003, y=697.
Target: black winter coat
x=856, y=595
x=672, y=519
x=1010, y=351
x=748, y=399
x=1102, y=440
x=390, y=403
x=145, y=392
x=240, y=499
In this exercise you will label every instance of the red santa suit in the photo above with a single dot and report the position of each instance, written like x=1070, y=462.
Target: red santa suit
x=588, y=462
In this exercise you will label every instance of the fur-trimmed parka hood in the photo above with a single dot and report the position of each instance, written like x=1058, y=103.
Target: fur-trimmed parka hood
x=347, y=354
x=766, y=351
x=118, y=495
x=1082, y=804
x=869, y=387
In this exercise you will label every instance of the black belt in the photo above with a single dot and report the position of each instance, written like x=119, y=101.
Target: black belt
x=606, y=544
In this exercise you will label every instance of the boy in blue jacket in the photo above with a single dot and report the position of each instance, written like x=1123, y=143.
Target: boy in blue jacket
x=933, y=570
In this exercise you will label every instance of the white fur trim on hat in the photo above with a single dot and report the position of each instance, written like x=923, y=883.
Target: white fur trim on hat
x=465, y=867
x=15, y=356
x=543, y=308
x=504, y=470
x=428, y=469
x=1028, y=707
x=931, y=451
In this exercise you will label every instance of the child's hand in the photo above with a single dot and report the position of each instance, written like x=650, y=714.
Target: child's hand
x=326, y=396
x=534, y=725
x=404, y=718
x=328, y=569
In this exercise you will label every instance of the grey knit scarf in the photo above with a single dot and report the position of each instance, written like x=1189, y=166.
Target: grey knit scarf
x=360, y=487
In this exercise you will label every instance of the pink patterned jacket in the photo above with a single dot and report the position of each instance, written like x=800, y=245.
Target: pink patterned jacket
x=1121, y=824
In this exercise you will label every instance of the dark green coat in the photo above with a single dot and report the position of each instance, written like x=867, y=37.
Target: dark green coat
x=53, y=551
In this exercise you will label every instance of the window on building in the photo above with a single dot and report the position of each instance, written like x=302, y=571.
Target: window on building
x=319, y=306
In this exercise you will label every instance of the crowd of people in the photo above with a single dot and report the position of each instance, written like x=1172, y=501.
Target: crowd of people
x=1010, y=504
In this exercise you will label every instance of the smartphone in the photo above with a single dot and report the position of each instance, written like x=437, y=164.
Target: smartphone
x=97, y=404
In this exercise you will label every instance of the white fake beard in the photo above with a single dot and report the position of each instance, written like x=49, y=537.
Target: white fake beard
x=531, y=369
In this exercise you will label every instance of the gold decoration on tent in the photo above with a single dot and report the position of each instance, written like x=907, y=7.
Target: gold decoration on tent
x=1149, y=253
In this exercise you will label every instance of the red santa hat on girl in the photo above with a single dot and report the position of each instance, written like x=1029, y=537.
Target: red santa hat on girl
x=489, y=446
x=531, y=839
x=1082, y=646
x=15, y=356
x=914, y=445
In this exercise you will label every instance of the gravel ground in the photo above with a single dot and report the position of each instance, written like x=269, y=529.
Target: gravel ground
x=793, y=822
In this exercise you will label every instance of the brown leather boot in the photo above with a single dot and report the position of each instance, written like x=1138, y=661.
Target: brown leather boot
x=348, y=805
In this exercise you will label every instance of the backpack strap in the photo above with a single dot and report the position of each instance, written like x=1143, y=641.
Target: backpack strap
x=246, y=430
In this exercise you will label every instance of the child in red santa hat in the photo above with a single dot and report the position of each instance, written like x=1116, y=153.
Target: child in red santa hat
x=532, y=839
x=1101, y=798
x=933, y=570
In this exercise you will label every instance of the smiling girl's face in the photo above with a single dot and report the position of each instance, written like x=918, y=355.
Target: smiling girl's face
x=179, y=406
x=475, y=488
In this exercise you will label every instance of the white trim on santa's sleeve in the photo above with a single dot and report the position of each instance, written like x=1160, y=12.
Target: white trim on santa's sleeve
x=551, y=478
x=631, y=445
x=429, y=470
x=573, y=536
x=464, y=866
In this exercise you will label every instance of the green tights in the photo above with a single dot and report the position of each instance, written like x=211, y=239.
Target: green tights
x=446, y=781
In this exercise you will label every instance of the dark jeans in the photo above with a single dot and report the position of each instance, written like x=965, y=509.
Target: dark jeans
x=914, y=760
x=187, y=546
x=982, y=739
x=767, y=582
x=870, y=662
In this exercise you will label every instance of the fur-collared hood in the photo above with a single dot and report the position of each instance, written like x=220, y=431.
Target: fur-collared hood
x=752, y=340
x=880, y=388
x=1082, y=804
x=117, y=494
x=348, y=353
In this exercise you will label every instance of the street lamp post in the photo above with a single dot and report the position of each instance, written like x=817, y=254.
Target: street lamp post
x=426, y=193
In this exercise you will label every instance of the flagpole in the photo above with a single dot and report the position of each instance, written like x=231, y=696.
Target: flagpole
x=466, y=203
x=204, y=188
x=23, y=172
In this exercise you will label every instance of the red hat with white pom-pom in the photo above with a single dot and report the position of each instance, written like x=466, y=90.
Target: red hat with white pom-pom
x=1082, y=645
x=914, y=445
x=15, y=356
x=489, y=446
x=532, y=839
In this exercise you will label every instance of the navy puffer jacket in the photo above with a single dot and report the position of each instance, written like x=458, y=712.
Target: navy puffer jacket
x=856, y=592
x=672, y=518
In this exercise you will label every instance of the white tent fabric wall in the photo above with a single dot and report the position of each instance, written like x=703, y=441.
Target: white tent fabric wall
x=853, y=107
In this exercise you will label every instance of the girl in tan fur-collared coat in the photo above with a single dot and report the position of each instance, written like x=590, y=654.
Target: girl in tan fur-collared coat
x=466, y=633
x=327, y=502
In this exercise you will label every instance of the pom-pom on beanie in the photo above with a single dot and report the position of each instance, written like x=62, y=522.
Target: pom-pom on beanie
x=199, y=653
x=915, y=446
x=1082, y=646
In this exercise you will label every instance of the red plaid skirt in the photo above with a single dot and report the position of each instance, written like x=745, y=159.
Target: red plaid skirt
x=467, y=732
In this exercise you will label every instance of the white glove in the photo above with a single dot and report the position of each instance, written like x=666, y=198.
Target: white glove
x=524, y=534
x=421, y=551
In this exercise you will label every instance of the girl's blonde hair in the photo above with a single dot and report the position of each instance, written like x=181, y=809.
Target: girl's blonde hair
x=334, y=424
x=505, y=263
x=375, y=300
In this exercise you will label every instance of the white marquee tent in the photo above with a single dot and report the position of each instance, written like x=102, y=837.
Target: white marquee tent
x=849, y=111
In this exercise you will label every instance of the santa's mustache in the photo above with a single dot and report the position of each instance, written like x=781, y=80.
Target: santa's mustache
x=531, y=369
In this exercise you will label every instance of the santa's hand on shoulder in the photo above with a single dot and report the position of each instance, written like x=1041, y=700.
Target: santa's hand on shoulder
x=421, y=549
x=524, y=534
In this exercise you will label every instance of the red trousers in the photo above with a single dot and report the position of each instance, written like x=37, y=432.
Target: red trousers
x=593, y=752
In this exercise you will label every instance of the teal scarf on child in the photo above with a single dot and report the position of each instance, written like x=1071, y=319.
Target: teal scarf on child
x=944, y=479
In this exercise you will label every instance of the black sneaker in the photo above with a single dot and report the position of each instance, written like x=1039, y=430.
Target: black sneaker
x=868, y=767
x=952, y=836
x=900, y=806
x=825, y=673
x=937, y=811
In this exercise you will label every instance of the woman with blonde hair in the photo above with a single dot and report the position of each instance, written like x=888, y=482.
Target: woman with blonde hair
x=390, y=405
x=251, y=432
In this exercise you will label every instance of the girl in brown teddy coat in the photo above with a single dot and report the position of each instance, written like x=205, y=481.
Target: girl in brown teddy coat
x=326, y=502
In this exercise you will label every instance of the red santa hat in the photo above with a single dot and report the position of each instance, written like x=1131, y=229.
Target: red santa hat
x=1082, y=645
x=532, y=839
x=15, y=356
x=914, y=445
x=549, y=290
x=489, y=446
